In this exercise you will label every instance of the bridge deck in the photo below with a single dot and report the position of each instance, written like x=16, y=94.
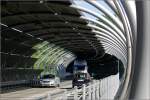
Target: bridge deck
x=31, y=93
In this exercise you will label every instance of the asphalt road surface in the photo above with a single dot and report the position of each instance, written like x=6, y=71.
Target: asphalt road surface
x=32, y=93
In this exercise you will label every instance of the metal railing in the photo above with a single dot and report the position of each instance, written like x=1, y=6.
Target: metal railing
x=103, y=89
x=89, y=92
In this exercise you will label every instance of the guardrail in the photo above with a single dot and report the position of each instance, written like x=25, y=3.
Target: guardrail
x=10, y=85
x=3, y=84
x=103, y=89
x=90, y=92
x=96, y=90
x=87, y=92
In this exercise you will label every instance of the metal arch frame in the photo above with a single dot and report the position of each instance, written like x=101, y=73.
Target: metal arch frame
x=46, y=29
x=49, y=21
x=24, y=33
x=72, y=35
x=109, y=23
x=49, y=48
x=120, y=36
x=70, y=20
x=91, y=20
x=125, y=85
x=132, y=15
x=111, y=50
x=89, y=42
x=126, y=25
x=94, y=47
x=37, y=47
x=109, y=40
x=98, y=16
x=105, y=41
x=71, y=32
x=73, y=56
x=57, y=42
x=108, y=35
x=118, y=55
x=76, y=26
x=108, y=13
x=24, y=12
x=109, y=45
x=73, y=42
x=75, y=48
x=88, y=36
x=51, y=61
x=85, y=10
x=44, y=57
x=66, y=34
x=61, y=57
x=111, y=4
x=60, y=18
x=43, y=51
x=69, y=61
x=55, y=55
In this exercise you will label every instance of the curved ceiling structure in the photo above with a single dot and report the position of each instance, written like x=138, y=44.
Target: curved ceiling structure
x=54, y=22
x=56, y=32
x=50, y=32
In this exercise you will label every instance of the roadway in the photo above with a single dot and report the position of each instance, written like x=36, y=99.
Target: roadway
x=36, y=92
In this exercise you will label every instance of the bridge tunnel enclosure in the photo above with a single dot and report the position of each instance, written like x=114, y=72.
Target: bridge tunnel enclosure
x=47, y=36
x=43, y=36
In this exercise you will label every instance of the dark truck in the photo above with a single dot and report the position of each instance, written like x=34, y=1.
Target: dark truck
x=80, y=73
x=80, y=78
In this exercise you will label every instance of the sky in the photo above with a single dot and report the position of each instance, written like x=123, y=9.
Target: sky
x=86, y=5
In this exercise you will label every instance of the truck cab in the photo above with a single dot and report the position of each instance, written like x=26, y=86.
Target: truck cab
x=80, y=73
x=80, y=78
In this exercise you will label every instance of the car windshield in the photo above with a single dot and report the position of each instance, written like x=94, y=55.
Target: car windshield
x=48, y=76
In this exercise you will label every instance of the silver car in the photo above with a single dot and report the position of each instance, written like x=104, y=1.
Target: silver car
x=50, y=80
